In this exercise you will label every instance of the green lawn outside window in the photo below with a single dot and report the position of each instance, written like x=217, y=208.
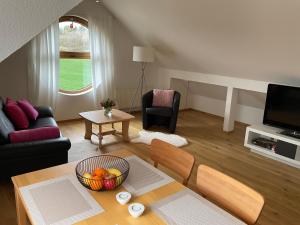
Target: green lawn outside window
x=75, y=74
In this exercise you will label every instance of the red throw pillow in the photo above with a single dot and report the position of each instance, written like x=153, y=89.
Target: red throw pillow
x=37, y=134
x=9, y=100
x=163, y=98
x=29, y=110
x=16, y=114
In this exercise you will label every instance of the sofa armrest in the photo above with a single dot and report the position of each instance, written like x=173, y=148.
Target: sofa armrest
x=44, y=111
x=49, y=146
x=173, y=120
x=146, y=103
x=176, y=101
x=147, y=100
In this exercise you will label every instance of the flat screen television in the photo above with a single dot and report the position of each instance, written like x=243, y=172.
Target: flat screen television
x=282, y=108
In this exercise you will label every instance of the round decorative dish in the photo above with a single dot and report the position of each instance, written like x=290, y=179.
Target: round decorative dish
x=102, y=173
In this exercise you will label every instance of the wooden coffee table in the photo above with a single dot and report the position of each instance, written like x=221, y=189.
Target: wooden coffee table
x=97, y=117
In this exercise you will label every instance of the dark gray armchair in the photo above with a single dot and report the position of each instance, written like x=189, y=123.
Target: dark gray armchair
x=161, y=116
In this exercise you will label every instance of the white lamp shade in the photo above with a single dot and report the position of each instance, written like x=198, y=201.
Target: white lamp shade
x=142, y=54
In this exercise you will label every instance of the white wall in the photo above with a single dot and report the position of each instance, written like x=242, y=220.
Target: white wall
x=20, y=21
x=69, y=106
x=13, y=75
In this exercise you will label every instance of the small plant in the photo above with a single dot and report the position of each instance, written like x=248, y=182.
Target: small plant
x=108, y=103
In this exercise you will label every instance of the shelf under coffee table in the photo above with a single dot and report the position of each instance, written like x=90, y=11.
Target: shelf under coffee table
x=97, y=117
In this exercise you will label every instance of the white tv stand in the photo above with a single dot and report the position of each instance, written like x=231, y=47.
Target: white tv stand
x=271, y=133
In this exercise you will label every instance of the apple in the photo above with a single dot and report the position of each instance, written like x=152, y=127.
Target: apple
x=109, y=181
x=86, y=178
x=117, y=173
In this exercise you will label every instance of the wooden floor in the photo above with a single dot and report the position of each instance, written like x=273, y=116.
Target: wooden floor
x=277, y=182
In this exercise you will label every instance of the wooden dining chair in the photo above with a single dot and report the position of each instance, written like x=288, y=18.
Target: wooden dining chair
x=235, y=197
x=173, y=158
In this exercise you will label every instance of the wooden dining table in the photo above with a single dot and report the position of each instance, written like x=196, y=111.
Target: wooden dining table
x=113, y=214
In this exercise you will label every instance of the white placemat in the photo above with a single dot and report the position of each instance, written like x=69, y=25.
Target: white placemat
x=59, y=201
x=143, y=177
x=188, y=208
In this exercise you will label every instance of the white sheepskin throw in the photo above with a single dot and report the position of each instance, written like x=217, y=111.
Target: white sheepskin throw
x=146, y=137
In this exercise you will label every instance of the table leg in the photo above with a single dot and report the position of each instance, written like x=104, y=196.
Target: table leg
x=21, y=212
x=100, y=137
x=125, y=129
x=88, y=130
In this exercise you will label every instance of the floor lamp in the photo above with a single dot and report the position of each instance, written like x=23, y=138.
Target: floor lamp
x=142, y=55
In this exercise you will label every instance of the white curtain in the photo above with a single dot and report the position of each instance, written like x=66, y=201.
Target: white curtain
x=44, y=67
x=102, y=58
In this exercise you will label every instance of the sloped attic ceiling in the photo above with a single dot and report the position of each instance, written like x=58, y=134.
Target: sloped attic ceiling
x=257, y=39
x=21, y=20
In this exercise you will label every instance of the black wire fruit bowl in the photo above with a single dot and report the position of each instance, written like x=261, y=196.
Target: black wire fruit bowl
x=102, y=173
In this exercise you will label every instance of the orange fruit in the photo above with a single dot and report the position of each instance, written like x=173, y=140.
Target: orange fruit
x=100, y=172
x=86, y=178
x=96, y=183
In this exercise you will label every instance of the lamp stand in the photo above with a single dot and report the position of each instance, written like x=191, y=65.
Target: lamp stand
x=140, y=86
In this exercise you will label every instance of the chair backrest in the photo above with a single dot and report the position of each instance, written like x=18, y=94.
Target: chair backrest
x=147, y=98
x=173, y=158
x=239, y=199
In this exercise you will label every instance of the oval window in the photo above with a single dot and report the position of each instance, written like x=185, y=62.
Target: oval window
x=75, y=63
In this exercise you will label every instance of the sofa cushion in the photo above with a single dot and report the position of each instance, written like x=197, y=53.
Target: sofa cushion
x=163, y=98
x=37, y=134
x=43, y=122
x=6, y=127
x=28, y=109
x=160, y=111
x=16, y=115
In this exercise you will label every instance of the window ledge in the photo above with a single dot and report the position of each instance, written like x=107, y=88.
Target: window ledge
x=75, y=93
